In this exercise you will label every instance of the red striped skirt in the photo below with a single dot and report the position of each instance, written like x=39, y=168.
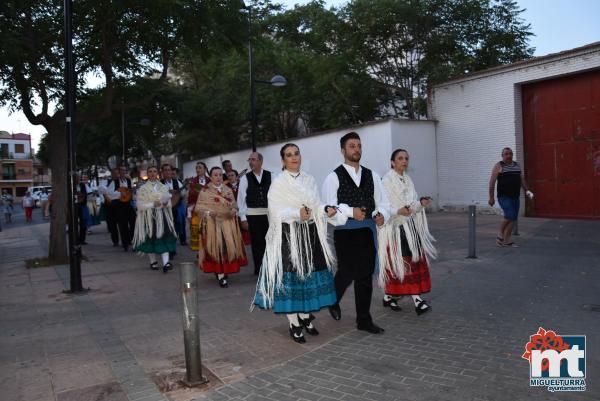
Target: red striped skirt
x=416, y=279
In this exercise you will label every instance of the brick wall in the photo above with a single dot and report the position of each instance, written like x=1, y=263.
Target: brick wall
x=478, y=116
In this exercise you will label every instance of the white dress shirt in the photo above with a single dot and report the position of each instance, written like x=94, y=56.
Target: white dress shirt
x=111, y=189
x=242, y=188
x=169, y=184
x=332, y=183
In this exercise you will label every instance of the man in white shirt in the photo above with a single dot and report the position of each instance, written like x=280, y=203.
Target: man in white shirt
x=356, y=192
x=252, y=203
x=44, y=203
x=120, y=213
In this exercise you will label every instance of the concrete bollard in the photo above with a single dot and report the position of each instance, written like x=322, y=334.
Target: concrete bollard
x=472, y=214
x=191, y=324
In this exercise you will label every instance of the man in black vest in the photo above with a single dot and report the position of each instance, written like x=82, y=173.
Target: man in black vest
x=118, y=191
x=252, y=203
x=356, y=192
x=111, y=208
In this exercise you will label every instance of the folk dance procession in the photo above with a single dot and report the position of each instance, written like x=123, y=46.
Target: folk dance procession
x=379, y=226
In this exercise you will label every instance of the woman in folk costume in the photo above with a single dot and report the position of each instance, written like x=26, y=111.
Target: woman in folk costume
x=154, y=228
x=295, y=277
x=221, y=247
x=196, y=184
x=405, y=243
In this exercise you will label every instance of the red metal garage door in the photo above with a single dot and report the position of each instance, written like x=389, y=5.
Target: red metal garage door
x=561, y=134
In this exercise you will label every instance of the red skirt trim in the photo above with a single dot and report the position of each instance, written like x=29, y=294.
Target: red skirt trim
x=416, y=280
x=211, y=266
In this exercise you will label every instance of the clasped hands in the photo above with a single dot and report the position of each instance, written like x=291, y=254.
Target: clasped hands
x=359, y=214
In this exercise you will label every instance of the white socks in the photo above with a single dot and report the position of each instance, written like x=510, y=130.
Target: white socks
x=165, y=258
x=220, y=276
x=293, y=319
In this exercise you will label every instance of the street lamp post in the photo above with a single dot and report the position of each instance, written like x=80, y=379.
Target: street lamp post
x=277, y=80
x=74, y=247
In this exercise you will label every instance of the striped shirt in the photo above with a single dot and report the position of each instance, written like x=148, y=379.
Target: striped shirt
x=509, y=180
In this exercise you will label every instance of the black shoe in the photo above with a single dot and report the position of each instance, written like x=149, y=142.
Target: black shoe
x=306, y=323
x=422, y=307
x=167, y=266
x=393, y=304
x=335, y=311
x=223, y=282
x=115, y=244
x=154, y=265
x=126, y=248
x=296, y=334
x=371, y=328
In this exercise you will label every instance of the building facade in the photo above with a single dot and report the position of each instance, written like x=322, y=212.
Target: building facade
x=547, y=109
x=16, y=163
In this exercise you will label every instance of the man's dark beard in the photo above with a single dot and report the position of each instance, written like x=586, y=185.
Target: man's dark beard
x=354, y=157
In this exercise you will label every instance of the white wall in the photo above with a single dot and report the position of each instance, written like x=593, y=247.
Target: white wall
x=321, y=153
x=478, y=116
x=418, y=138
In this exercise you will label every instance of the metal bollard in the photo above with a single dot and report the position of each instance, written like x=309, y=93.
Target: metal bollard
x=191, y=324
x=516, y=228
x=472, y=213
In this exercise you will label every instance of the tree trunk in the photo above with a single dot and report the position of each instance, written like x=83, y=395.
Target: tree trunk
x=57, y=143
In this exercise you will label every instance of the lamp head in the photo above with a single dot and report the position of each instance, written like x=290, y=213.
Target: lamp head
x=278, y=80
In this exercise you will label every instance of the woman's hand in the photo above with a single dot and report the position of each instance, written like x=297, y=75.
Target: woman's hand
x=157, y=203
x=331, y=211
x=404, y=211
x=233, y=212
x=305, y=213
x=425, y=202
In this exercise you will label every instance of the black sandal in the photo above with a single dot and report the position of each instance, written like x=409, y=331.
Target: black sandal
x=168, y=266
x=154, y=265
x=422, y=307
x=392, y=304
x=296, y=334
x=307, y=324
x=223, y=282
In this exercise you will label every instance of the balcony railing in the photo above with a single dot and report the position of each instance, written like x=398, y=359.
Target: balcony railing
x=15, y=156
x=9, y=177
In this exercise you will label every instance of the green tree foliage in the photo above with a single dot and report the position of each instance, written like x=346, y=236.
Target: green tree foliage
x=122, y=42
x=410, y=45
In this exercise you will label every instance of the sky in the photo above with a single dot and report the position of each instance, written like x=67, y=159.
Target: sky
x=557, y=24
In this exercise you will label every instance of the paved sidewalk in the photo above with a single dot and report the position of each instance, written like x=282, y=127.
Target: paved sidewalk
x=115, y=342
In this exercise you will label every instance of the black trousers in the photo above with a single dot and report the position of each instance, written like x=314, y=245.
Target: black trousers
x=258, y=227
x=125, y=222
x=112, y=211
x=356, y=253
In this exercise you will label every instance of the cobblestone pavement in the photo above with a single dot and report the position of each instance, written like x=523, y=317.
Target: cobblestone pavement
x=114, y=342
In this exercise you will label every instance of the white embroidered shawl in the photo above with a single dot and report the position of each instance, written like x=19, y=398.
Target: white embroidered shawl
x=401, y=192
x=148, y=213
